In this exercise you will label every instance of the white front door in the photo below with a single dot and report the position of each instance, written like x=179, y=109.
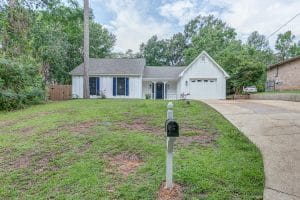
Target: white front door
x=203, y=89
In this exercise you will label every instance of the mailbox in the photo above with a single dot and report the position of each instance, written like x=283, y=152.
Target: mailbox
x=172, y=128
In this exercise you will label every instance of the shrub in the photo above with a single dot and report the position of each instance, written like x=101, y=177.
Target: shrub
x=11, y=101
x=21, y=83
x=148, y=96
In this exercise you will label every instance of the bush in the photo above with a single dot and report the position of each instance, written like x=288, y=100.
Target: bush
x=11, y=101
x=21, y=83
x=148, y=96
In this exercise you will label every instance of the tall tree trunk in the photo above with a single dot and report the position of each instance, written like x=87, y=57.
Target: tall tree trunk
x=86, y=56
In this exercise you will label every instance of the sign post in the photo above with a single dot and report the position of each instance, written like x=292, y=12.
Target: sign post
x=172, y=130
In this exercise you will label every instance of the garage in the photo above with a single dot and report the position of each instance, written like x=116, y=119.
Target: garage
x=203, y=89
x=203, y=79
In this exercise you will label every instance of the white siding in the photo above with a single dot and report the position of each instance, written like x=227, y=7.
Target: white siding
x=203, y=69
x=146, y=89
x=135, y=87
x=172, y=90
x=106, y=85
x=77, y=86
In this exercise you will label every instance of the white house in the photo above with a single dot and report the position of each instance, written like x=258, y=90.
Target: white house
x=131, y=78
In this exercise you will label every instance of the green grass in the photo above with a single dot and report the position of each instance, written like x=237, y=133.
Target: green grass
x=57, y=151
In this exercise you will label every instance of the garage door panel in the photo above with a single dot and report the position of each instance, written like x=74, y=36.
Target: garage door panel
x=203, y=89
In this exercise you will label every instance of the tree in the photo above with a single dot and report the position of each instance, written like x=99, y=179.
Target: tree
x=86, y=93
x=258, y=42
x=101, y=41
x=154, y=51
x=258, y=46
x=295, y=49
x=284, y=44
x=164, y=52
x=207, y=33
x=175, y=50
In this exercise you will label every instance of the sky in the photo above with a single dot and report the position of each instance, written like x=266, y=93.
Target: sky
x=135, y=21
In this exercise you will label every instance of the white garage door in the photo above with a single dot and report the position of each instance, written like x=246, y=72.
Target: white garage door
x=203, y=89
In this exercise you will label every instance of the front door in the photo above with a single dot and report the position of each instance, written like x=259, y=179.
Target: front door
x=159, y=90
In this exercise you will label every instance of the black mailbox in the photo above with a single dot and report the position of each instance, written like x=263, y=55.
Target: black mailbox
x=172, y=128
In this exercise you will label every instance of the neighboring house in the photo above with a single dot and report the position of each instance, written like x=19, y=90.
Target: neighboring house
x=131, y=78
x=284, y=75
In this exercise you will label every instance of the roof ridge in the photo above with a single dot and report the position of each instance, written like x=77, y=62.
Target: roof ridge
x=284, y=62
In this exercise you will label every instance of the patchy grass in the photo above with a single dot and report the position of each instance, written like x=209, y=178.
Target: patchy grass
x=115, y=149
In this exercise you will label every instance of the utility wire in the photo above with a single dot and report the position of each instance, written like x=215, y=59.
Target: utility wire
x=283, y=25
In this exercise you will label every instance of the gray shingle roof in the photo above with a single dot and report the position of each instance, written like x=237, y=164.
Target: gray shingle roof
x=117, y=66
x=162, y=72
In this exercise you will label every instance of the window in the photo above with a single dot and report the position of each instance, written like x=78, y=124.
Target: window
x=120, y=86
x=199, y=80
x=212, y=81
x=193, y=81
x=94, y=85
x=205, y=80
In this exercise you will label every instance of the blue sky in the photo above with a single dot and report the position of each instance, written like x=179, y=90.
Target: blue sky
x=135, y=21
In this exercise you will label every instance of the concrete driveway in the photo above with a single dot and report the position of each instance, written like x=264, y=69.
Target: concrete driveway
x=274, y=126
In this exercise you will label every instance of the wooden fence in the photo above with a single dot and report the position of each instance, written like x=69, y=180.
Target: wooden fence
x=59, y=92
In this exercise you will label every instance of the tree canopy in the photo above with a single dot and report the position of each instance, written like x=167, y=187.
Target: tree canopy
x=51, y=32
x=41, y=41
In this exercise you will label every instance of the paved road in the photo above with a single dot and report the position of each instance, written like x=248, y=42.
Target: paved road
x=274, y=126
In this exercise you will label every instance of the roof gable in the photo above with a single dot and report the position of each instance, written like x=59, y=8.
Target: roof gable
x=203, y=53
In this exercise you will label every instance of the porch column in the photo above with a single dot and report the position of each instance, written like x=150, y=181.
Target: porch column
x=165, y=90
x=154, y=94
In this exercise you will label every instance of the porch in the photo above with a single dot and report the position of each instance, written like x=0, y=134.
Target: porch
x=166, y=90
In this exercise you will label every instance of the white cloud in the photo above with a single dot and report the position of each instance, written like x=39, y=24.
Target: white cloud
x=264, y=16
x=132, y=27
x=182, y=11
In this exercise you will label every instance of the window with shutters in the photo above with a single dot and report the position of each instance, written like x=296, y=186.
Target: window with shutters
x=120, y=86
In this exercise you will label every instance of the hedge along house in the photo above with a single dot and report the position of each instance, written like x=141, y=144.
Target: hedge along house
x=131, y=78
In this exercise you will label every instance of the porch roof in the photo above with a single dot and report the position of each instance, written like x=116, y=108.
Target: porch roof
x=162, y=72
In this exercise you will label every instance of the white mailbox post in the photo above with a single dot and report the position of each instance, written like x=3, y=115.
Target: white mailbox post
x=171, y=128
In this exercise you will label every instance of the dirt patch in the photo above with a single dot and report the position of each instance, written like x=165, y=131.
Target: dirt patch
x=126, y=163
x=8, y=123
x=43, y=163
x=22, y=162
x=24, y=118
x=81, y=127
x=27, y=130
x=198, y=136
x=140, y=124
x=85, y=147
x=204, y=140
x=39, y=162
x=176, y=193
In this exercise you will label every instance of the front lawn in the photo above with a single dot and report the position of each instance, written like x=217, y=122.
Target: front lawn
x=115, y=149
